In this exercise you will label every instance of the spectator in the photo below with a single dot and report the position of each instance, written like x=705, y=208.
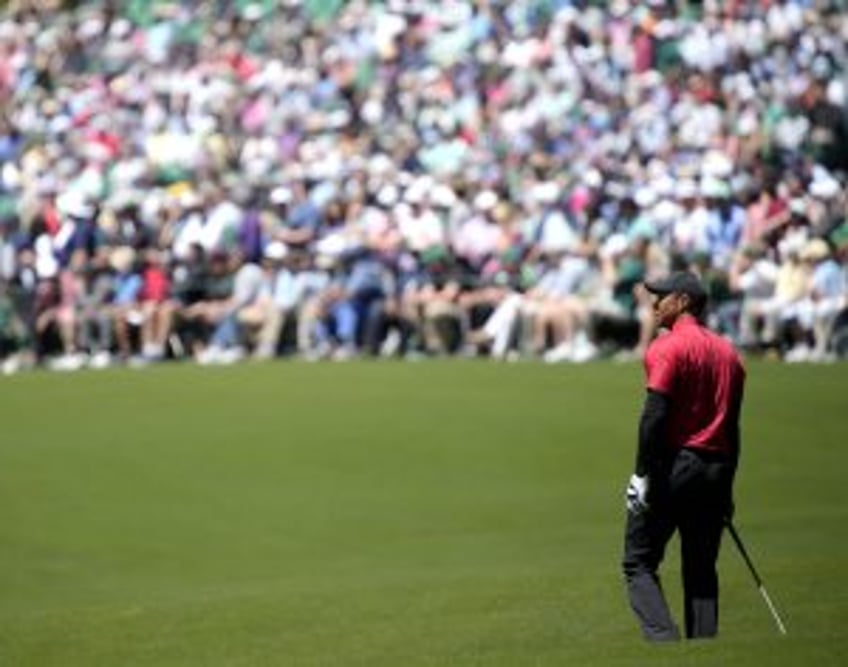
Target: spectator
x=96, y=329
x=753, y=276
x=780, y=312
x=264, y=318
x=157, y=306
x=227, y=342
x=441, y=318
x=12, y=333
x=824, y=299
x=125, y=304
x=457, y=125
x=206, y=308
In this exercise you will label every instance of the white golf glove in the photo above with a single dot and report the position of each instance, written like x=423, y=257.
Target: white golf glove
x=637, y=494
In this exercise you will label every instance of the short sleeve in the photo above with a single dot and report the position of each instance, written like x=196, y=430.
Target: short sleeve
x=659, y=369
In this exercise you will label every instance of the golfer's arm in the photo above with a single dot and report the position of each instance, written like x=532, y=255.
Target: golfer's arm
x=651, y=432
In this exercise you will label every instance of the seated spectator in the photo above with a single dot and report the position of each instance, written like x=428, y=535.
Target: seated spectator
x=264, y=318
x=227, y=342
x=615, y=300
x=779, y=313
x=96, y=328
x=505, y=283
x=12, y=333
x=414, y=129
x=436, y=302
x=125, y=305
x=64, y=315
x=314, y=279
x=24, y=290
x=204, y=294
x=356, y=307
x=823, y=300
x=548, y=305
x=157, y=306
x=753, y=276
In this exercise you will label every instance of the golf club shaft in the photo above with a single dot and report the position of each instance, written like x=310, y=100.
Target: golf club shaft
x=759, y=582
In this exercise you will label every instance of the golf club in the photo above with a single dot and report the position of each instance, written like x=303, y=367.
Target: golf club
x=759, y=582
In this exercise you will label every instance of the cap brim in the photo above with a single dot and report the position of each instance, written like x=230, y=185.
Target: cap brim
x=657, y=287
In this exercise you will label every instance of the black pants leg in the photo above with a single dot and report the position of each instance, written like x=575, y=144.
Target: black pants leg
x=700, y=538
x=646, y=537
x=702, y=497
x=695, y=503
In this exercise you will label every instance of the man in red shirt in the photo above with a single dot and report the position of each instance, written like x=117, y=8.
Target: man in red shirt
x=686, y=460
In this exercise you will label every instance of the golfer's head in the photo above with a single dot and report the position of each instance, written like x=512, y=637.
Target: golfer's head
x=678, y=293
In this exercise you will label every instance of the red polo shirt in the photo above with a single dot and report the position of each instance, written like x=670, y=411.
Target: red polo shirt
x=703, y=377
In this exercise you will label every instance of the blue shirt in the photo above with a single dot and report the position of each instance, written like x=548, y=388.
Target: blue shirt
x=127, y=288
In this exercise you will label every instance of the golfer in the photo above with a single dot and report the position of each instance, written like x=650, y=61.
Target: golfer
x=687, y=455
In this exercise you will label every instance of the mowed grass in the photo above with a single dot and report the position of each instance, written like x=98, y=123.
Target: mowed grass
x=441, y=513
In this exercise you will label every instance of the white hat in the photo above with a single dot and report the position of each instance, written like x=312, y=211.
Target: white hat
x=276, y=250
x=716, y=164
x=815, y=250
x=486, y=200
x=189, y=199
x=332, y=245
x=593, y=178
x=665, y=211
x=545, y=193
x=73, y=204
x=388, y=195
x=825, y=187
x=444, y=196
x=686, y=189
x=280, y=195
x=663, y=185
x=798, y=205
x=714, y=188
x=645, y=196
x=380, y=164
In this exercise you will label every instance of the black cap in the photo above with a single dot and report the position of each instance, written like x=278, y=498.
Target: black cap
x=679, y=282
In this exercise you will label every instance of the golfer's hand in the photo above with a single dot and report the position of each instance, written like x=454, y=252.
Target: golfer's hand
x=637, y=494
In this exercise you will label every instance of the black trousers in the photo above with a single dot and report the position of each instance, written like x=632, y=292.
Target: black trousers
x=693, y=497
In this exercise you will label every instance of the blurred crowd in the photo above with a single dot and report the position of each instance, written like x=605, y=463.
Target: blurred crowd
x=219, y=181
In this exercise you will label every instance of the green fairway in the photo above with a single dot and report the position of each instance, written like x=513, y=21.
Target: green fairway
x=397, y=514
